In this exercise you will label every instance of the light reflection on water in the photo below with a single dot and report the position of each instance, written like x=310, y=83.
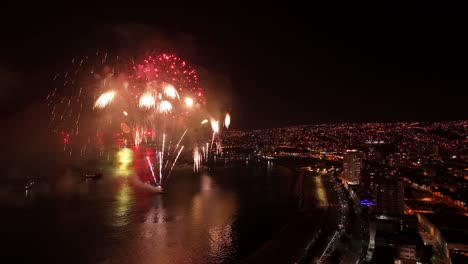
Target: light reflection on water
x=174, y=232
x=124, y=162
x=321, y=194
x=215, y=212
x=220, y=216
x=122, y=205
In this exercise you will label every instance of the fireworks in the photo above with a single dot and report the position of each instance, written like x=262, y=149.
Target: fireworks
x=227, y=120
x=147, y=101
x=171, y=92
x=104, y=100
x=188, y=101
x=164, y=107
x=151, y=101
x=197, y=159
x=172, y=71
x=214, y=125
x=215, y=128
x=150, y=165
x=175, y=161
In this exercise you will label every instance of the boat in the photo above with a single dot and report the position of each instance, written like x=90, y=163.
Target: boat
x=29, y=185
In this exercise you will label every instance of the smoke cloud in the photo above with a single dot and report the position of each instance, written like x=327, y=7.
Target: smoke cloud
x=30, y=149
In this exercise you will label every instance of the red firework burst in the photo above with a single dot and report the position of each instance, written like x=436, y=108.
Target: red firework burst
x=168, y=68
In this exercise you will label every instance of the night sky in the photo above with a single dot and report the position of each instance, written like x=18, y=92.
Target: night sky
x=274, y=68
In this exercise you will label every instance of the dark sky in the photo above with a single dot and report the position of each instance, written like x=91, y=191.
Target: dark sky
x=289, y=66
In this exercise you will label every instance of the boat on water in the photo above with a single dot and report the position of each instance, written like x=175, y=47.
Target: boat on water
x=28, y=186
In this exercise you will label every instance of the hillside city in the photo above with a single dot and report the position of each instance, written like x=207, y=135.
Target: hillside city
x=409, y=181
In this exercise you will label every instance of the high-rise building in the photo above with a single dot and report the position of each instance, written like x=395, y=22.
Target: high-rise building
x=352, y=166
x=370, y=174
x=389, y=195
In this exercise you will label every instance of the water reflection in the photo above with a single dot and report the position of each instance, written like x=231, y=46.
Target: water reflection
x=214, y=211
x=124, y=161
x=205, y=183
x=221, y=241
x=321, y=192
x=218, y=216
x=198, y=205
x=123, y=203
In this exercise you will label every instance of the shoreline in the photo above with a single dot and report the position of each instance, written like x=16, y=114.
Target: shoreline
x=298, y=240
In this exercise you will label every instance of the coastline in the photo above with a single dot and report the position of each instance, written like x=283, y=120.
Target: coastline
x=298, y=241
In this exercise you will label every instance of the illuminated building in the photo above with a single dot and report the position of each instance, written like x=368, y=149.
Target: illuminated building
x=397, y=237
x=352, y=166
x=389, y=195
x=407, y=254
x=370, y=173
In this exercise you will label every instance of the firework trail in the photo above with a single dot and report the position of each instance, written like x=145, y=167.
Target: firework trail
x=178, y=142
x=214, y=125
x=162, y=148
x=160, y=169
x=104, y=100
x=227, y=121
x=215, y=128
x=203, y=155
x=151, y=168
x=88, y=83
x=175, y=147
x=196, y=159
x=175, y=161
